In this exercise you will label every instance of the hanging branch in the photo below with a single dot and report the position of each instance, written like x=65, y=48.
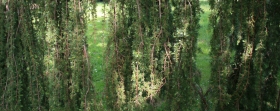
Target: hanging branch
x=220, y=22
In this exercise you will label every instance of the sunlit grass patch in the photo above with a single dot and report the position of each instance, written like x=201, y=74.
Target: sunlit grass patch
x=97, y=33
x=203, y=44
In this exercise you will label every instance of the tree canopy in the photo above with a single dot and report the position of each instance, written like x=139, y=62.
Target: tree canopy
x=150, y=59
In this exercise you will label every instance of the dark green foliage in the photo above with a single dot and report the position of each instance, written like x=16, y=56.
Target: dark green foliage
x=153, y=50
x=185, y=80
x=3, y=67
x=59, y=18
x=26, y=31
x=23, y=84
x=150, y=56
x=119, y=60
x=71, y=78
x=220, y=21
x=270, y=88
x=244, y=70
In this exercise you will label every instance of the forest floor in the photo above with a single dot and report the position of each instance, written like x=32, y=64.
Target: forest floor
x=98, y=31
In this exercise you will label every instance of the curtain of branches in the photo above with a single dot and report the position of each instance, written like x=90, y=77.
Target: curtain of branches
x=115, y=60
x=220, y=21
x=185, y=78
x=22, y=83
x=70, y=75
x=35, y=34
x=151, y=52
x=245, y=54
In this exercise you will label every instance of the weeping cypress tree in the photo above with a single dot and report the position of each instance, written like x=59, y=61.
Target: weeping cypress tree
x=3, y=67
x=72, y=87
x=135, y=47
x=271, y=66
x=152, y=52
x=59, y=17
x=251, y=69
x=22, y=52
x=142, y=48
x=119, y=55
x=23, y=84
x=160, y=52
x=220, y=21
x=82, y=87
x=258, y=90
x=186, y=76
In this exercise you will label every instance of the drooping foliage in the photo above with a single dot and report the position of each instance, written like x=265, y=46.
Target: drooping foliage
x=270, y=90
x=59, y=24
x=44, y=64
x=185, y=78
x=22, y=83
x=72, y=87
x=118, y=72
x=244, y=54
x=150, y=54
x=220, y=21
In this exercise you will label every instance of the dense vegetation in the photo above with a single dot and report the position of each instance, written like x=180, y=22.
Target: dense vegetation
x=44, y=60
x=139, y=55
x=244, y=51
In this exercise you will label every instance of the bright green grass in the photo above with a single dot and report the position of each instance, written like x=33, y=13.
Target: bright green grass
x=203, y=58
x=97, y=33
